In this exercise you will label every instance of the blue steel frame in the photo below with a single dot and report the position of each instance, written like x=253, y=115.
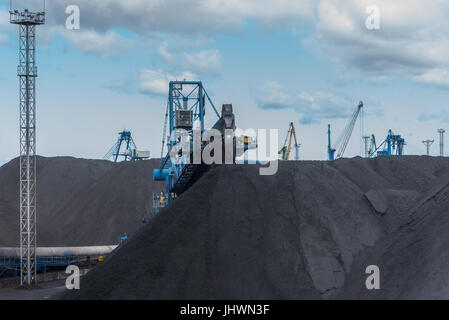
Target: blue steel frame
x=330, y=150
x=178, y=98
x=392, y=142
x=125, y=136
x=42, y=263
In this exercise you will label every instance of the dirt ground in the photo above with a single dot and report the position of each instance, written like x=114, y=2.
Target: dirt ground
x=44, y=291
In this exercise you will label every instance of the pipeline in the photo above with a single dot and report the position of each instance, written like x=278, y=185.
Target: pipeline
x=60, y=251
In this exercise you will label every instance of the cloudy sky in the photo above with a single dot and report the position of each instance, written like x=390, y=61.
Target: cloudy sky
x=276, y=61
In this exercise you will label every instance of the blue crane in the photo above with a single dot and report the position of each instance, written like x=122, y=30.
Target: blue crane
x=186, y=110
x=392, y=145
x=330, y=150
x=344, y=138
x=126, y=147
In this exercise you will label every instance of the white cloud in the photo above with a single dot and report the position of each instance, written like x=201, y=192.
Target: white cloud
x=313, y=107
x=155, y=82
x=204, y=62
x=274, y=97
x=200, y=62
x=180, y=16
x=166, y=55
x=413, y=39
x=435, y=77
x=90, y=41
x=4, y=27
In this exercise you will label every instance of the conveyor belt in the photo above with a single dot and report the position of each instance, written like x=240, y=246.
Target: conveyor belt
x=190, y=173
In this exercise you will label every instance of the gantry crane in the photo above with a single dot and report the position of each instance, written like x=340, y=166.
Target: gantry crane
x=286, y=149
x=343, y=141
x=185, y=112
x=130, y=152
x=392, y=145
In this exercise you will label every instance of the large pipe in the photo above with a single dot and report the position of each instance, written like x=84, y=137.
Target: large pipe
x=60, y=251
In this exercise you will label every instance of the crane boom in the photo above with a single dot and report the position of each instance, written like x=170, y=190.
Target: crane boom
x=372, y=147
x=296, y=142
x=287, y=148
x=348, y=131
x=392, y=145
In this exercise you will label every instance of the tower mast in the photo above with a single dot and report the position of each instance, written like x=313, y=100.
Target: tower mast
x=27, y=73
x=441, y=132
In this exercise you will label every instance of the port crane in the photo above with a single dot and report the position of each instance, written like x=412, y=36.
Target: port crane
x=186, y=110
x=343, y=141
x=126, y=148
x=286, y=149
x=392, y=145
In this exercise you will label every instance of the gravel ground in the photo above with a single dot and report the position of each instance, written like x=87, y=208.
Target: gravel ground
x=44, y=291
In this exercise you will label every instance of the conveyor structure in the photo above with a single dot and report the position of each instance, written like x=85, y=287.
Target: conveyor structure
x=53, y=257
x=185, y=116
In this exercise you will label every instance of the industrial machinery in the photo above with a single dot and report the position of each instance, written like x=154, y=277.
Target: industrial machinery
x=343, y=140
x=160, y=200
x=130, y=152
x=366, y=142
x=185, y=114
x=372, y=146
x=286, y=149
x=50, y=258
x=122, y=239
x=245, y=143
x=392, y=145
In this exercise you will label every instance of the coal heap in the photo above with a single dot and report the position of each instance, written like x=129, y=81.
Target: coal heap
x=307, y=232
x=80, y=202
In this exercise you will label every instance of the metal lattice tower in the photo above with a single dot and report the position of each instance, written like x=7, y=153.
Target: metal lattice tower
x=27, y=73
x=428, y=143
x=441, y=132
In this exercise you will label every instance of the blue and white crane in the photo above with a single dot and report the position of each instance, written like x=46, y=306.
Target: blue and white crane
x=126, y=148
x=344, y=138
x=186, y=110
x=392, y=145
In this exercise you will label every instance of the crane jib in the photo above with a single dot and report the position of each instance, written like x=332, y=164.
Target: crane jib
x=348, y=131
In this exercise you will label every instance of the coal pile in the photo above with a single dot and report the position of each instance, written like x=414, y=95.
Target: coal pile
x=80, y=202
x=307, y=232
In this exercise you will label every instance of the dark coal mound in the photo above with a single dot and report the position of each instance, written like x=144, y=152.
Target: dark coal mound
x=413, y=260
x=304, y=233
x=80, y=202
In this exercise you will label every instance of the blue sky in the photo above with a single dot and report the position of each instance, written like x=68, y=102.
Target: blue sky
x=309, y=62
